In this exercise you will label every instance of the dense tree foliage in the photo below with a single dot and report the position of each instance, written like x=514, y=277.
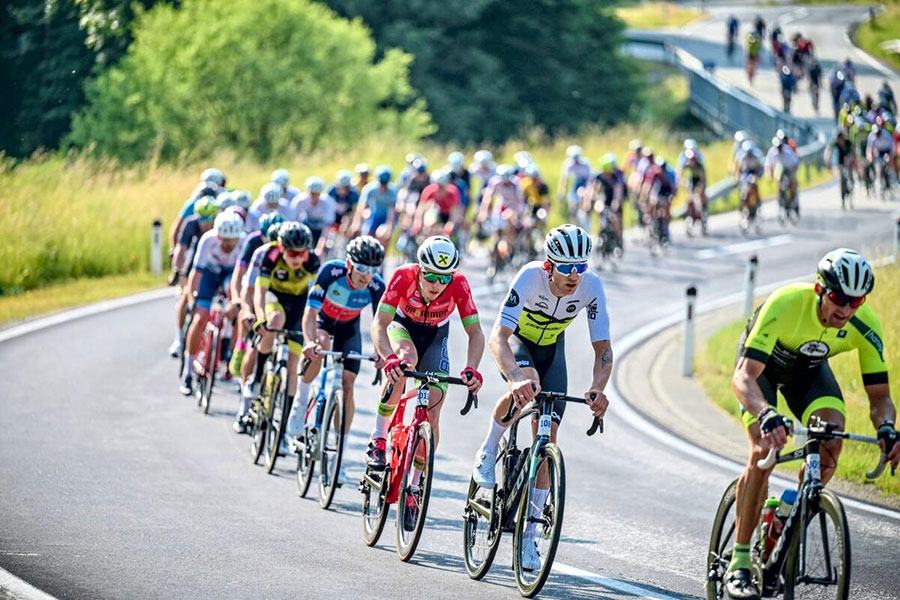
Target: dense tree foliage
x=265, y=77
x=488, y=68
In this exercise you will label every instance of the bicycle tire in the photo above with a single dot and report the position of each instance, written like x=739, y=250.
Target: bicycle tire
x=328, y=481
x=373, y=523
x=276, y=430
x=257, y=437
x=478, y=569
x=557, y=492
x=718, y=557
x=262, y=419
x=406, y=545
x=829, y=506
x=210, y=375
x=306, y=466
x=185, y=328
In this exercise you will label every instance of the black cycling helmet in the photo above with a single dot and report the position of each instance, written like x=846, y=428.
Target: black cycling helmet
x=295, y=236
x=365, y=250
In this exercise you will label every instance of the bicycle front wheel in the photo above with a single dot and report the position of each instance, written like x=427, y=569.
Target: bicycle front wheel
x=212, y=362
x=415, y=493
x=825, y=548
x=332, y=449
x=539, y=523
x=278, y=425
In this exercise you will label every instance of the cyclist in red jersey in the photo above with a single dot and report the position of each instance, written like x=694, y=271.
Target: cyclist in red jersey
x=411, y=328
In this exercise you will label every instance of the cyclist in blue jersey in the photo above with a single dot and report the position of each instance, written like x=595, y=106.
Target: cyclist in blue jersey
x=375, y=213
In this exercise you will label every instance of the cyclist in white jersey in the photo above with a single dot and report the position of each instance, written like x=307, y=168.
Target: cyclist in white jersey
x=282, y=178
x=528, y=345
x=271, y=199
x=316, y=209
x=576, y=172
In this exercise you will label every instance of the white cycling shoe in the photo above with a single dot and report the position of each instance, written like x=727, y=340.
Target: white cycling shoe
x=249, y=391
x=483, y=472
x=175, y=348
x=531, y=558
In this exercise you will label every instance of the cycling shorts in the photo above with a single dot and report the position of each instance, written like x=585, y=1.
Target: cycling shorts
x=374, y=221
x=549, y=362
x=209, y=283
x=346, y=339
x=430, y=344
x=292, y=306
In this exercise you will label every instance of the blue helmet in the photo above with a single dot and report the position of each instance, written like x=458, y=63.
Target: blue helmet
x=383, y=173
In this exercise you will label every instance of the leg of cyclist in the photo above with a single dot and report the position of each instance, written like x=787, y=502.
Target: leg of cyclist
x=206, y=283
x=180, y=315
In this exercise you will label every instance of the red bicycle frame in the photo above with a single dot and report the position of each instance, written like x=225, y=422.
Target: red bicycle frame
x=401, y=438
x=212, y=331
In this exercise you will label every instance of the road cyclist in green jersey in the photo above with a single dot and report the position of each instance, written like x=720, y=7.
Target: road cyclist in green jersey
x=528, y=345
x=786, y=348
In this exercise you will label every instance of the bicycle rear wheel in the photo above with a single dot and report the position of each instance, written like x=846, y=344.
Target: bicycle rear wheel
x=481, y=536
x=332, y=449
x=258, y=426
x=547, y=523
x=209, y=377
x=275, y=432
x=826, y=573
x=413, y=501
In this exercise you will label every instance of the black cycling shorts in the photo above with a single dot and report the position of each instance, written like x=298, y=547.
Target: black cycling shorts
x=346, y=339
x=549, y=362
x=430, y=343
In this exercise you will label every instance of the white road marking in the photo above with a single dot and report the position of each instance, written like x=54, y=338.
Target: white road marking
x=612, y=584
x=794, y=15
x=17, y=589
x=748, y=246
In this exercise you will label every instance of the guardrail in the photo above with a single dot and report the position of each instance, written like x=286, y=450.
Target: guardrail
x=725, y=108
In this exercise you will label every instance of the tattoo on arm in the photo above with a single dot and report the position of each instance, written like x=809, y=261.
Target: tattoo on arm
x=607, y=357
x=515, y=374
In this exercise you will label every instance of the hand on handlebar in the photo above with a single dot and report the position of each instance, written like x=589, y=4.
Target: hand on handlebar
x=523, y=392
x=473, y=379
x=311, y=350
x=774, y=429
x=393, y=368
x=597, y=402
x=888, y=439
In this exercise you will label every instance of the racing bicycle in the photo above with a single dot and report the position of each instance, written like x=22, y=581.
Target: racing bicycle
x=211, y=349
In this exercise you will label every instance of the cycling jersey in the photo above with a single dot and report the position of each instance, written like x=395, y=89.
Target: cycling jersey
x=191, y=232
x=446, y=198
x=318, y=215
x=535, y=191
x=261, y=207
x=786, y=158
x=346, y=203
x=483, y=172
x=786, y=334
x=879, y=144
x=538, y=316
x=380, y=200
x=252, y=273
x=249, y=246
x=510, y=198
x=277, y=276
x=577, y=171
x=610, y=183
x=336, y=299
x=210, y=255
x=404, y=299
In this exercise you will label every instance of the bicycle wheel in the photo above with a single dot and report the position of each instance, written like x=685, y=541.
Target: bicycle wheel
x=332, y=448
x=277, y=426
x=481, y=536
x=413, y=501
x=548, y=524
x=826, y=573
x=185, y=327
x=306, y=464
x=374, y=506
x=212, y=361
x=271, y=383
x=258, y=431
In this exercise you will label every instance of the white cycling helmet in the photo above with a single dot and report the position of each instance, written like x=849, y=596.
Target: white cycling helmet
x=740, y=135
x=229, y=226
x=456, y=159
x=315, y=184
x=440, y=176
x=483, y=157
x=522, y=159
x=344, y=178
x=213, y=176
x=271, y=193
x=846, y=271
x=438, y=254
x=281, y=177
x=224, y=200
x=505, y=172
x=574, y=152
x=690, y=144
x=242, y=198
x=568, y=244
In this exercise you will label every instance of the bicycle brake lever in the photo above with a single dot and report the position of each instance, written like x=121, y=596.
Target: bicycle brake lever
x=305, y=366
x=509, y=413
x=597, y=425
x=471, y=400
x=377, y=377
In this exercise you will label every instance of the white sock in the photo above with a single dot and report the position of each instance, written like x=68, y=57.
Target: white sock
x=538, y=498
x=188, y=365
x=382, y=420
x=492, y=441
x=297, y=418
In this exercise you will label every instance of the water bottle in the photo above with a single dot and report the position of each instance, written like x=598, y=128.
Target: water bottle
x=767, y=527
x=787, y=502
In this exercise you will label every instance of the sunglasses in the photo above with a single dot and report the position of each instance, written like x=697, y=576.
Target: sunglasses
x=567, y=269
x=842, y=299
x=436, y=277
x=294, y=253
x=362, y=269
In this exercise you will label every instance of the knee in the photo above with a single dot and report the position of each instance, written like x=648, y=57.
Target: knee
x=829, y=452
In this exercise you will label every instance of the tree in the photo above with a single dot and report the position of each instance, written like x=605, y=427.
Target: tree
x=259, y=76
x=489, y=68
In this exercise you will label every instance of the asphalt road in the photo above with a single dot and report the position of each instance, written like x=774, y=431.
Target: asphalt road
x=112, y=485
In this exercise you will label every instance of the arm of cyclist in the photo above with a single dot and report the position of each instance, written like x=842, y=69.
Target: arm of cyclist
x=603, y=359
x=474, y=353
x=383, y=346
x=522, y=387
x=883, y=415
x=747, y=390
x=310, y=327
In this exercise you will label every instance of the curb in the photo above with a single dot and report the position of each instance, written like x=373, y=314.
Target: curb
x=850, y=37
x=13, y=588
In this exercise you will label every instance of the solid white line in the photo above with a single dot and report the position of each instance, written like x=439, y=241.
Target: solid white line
x=17, y=589
x=612, y=584
x=747, y=246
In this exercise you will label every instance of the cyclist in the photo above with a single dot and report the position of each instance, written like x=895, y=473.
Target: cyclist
x=484, y=168
x=411, y=190
x=528, y=345
x=502, y=209
x=781, y=161
x=342, y=289
x=880, y=150
x=411, y=328
x=788, y=86
x=316, y=210
x=786, y=347
x=205, y=211
x=459, y=176
x=610, y=182
x=271, y=199
x=345, y=198
x=212, y=181
x=375, y=213
x=841, y=154
x=440, y=204
x=692, y=172
x=886, y=98
x=749, y=168
x=286, y=270
x=575, y=173
x=754, y=49
x=217, y=252
x=660, y=185
x=362, y=176
x=282, y=178
x=815, y=81
x=836, y=85
x=732, y=26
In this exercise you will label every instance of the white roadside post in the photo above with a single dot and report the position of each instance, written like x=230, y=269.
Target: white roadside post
x=897, y=242
x=688, y=367
x=750, y=285
x=156, y=248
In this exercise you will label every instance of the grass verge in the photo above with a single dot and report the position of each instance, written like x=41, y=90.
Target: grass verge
x=715, y=366
x=650, y=15
x=886, y=26
x=68, y=294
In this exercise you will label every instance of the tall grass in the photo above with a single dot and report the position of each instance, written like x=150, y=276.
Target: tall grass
x=649, y=15
x=716, y=365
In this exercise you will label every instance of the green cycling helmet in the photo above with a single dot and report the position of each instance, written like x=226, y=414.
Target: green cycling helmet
x=206, y=208
x=268, y=225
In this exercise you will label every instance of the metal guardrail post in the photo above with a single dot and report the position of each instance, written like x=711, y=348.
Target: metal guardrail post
x=156, y=248
x=750, y=285
x=688, y=364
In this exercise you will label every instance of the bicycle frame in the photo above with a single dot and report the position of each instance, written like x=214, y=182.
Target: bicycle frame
x=215, y=323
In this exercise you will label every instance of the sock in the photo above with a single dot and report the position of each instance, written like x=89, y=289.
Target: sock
x=492, y=441
x=260, y=366
x=418, y=466
x=740, y=559
x=382, y=420
x=188, y=366
x=538, y=499
x=241, y=345
x=243, y=409
x=297, y=418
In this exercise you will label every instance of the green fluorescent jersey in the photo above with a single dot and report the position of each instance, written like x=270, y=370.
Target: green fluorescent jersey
x=785, y=333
